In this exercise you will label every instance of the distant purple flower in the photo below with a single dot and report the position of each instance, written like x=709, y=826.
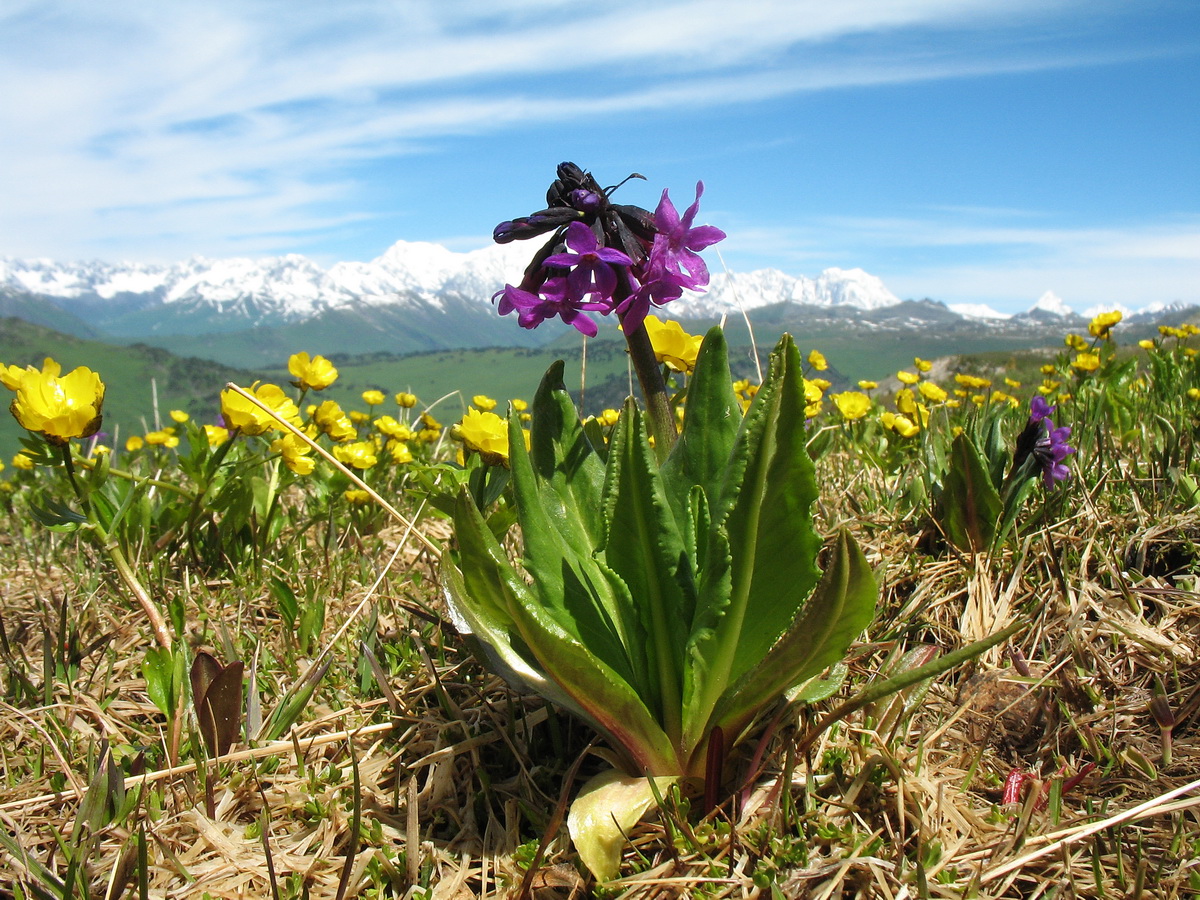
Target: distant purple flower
x=1040, y=409
x=591, y=264
x=1046, y=444
x=1050, y=451
x=677, y=242
x=554, y=300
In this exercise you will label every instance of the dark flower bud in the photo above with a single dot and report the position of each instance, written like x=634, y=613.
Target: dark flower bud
x=585, y=200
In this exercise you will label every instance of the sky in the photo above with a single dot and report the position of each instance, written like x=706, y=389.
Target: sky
x=971, y=151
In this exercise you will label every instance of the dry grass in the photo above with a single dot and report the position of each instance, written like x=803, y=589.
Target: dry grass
x=456, y=780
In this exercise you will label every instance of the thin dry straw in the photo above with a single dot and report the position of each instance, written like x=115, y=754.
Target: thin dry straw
x=1153, y=806
x=336, y=463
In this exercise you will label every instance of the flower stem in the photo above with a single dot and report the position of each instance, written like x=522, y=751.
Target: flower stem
x=654, y=391
x=124, y=569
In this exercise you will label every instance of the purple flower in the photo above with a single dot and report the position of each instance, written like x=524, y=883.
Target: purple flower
x=677, y=242
x=591, y=264
x=1040, y=409
x=553, y=300
x=1050, y=450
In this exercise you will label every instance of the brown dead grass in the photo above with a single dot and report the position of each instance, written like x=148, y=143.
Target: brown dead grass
x=460, y=779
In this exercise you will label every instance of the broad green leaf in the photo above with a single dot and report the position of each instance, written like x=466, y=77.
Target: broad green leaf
x=558, y=485
x=766, y=498
x=710, y=423
x=644, y=547
x=490, y=592
x=971, y=505
x=607, y=807
x=841, y=606
x=158, y=668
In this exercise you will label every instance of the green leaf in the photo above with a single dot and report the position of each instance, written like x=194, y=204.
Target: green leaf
x=971, y=505
x=644, y=547
x=765, y=510
x=841, y=606
x=158, y=670
x=504, y=613
x=710, y=424
x=607, y=807
x=57, y=516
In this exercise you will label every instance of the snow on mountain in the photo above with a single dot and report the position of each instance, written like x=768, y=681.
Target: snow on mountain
x=1052, y=304
x=977, y=311
x=731, y=292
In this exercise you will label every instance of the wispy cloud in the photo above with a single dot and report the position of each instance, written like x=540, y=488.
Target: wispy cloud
x=228, y=124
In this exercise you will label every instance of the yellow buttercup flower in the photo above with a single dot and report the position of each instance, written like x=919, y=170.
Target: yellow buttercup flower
x=1102, y=324
x=868, y=385
x=483, y=402
x=973, y=381
x=852, y=404
x=908, y=377
x=1012, y=383
x=1193, y=393
x=392, y=428
x=923, y=365
x=399, y=452
x=241, y=413
x=1146, y=344
x=178, y=415
x=358, y=417
x=407, y=400
x=487, y=433
x=23, y=461
x=518, y=405
x=1075, y=342
x=816, y=359
x=60, y=407
x=356, y=496
x=359, y=455
x=673, y=346
x=1086, y=362
x=609, y=417
x=315, y=374
x=134, y=443
x=216, y=435
x=906, y=401
x=1049, y=369
x=372, y=398
x=295, y=453
x=932, y=392
x=12, y=376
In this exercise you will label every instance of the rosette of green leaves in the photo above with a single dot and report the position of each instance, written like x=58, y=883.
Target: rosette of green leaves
x=662, y=604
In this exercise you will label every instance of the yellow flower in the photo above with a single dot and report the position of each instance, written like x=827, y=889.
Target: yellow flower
x=357, y=496
x=12, y=376
x=359, y=455
x=1012, y=383
x=817, y=360
x=1169, y=331
x=1049, y=369
x=393, y=429
x=372, y=398
x=1146, y=344
x=483, y=402
x=430, y=422
x=673, y=346
x=908, y=377
x=407, y=400
x=852, y=404
x=932, y=392
x=868, y=385
x=923, y=365
x=23, y=461
x=906, y=401
x=1193, y=393
x=135, y=443
x=1075, y=342
x=241, y=413
x=157, y=438
x=1086, y=362
x=973, y=381
x=399, y=452
x=59, y=407
x=1, y=465
x=518, y=405
x=1102, y=324
x=609, y=417
x=178, y=415
x=487, y=433
x=358, y=417
x=216, y=435
x=315, y=374
x=295, y=453
x=902, y=425
x=822, y=384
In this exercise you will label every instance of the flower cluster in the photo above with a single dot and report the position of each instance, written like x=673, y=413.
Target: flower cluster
x=1046, y=444
x=604, y=257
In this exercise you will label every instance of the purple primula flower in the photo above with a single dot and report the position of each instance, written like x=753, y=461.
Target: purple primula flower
x=1039, y=409
x=677, y=242
x=591, y=264
x=1050, y=451
x=554, y=300
x=655, y=289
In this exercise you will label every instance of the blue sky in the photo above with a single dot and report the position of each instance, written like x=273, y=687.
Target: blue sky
x=974, y=151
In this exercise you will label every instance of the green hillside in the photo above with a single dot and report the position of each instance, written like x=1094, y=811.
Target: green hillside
x=131, y=375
